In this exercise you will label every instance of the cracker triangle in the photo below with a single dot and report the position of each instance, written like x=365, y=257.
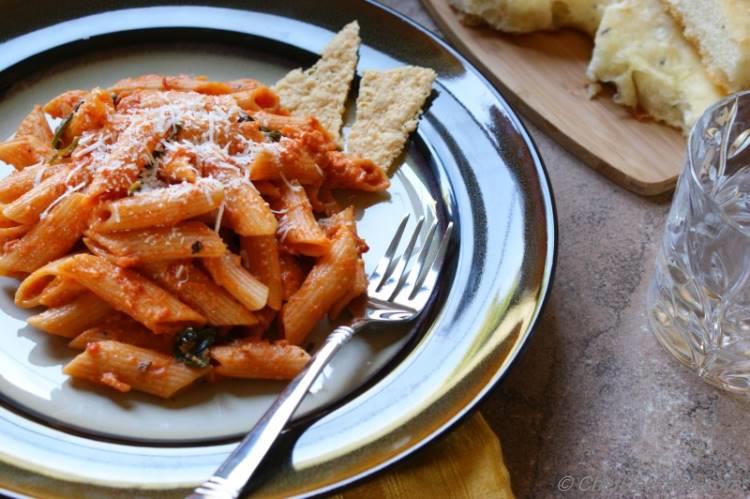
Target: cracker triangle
x=388, y=108
x=321, y=90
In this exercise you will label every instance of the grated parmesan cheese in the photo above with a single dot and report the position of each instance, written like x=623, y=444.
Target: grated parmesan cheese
x=115, y=213
x=219, y=216
x=290, y=186
x=39, y=174
x=201, y=126
x=57, y=201
x=285, y=226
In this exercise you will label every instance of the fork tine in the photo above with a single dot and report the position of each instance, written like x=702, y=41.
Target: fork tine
x=393, y=279
x=416, y=272
x=422, y=292
x=385, y=264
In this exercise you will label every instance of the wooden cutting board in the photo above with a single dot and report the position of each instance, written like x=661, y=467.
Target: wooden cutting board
x=544, y=76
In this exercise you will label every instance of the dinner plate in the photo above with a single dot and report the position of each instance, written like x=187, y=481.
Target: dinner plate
x=392, y=389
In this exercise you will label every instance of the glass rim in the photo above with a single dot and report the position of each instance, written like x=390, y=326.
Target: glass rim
x=699, y=125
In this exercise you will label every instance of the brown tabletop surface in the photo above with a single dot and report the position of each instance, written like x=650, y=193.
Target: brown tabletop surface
x=594, y=405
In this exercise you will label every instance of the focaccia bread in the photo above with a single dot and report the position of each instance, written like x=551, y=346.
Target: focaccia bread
x=525, y=16
x=641, y=50
x=721, y=31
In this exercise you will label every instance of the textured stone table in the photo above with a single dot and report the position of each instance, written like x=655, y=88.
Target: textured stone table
x=594, y=405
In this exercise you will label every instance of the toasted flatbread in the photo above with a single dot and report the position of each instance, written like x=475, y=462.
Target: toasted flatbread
x=321, y=90
x=388, y=107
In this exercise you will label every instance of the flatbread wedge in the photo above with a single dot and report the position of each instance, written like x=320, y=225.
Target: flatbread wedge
x=388, y=108
x=321, y=90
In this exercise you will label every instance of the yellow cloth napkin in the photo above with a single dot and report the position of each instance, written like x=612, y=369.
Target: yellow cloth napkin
x=467, y=463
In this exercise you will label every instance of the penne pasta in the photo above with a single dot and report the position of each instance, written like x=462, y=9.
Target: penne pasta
x=261, y=257
x=245, y=211
x=194, y=287
x=322, y=200
x=124, y=330
x=32, y=288
x=51, y=238
x=352, y=172
x=292, y=275
x=328, y=282
x=228, y=272
x=19, y=153
x=14, y=232
x=13, y=186
x=357, y=288
x=30, y=206
x=292, y=162
x=299, y=232
x=126, y=367
x=135, y=247
x=91, y=113
x=63, y=104
x=169, y=206
x=131, y=293
x=35, y=131
x=59, y=292
x=70, y=319
x=259, y=360
x=257, y=99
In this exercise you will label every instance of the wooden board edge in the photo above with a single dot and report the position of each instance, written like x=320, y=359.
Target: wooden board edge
x=599, y=165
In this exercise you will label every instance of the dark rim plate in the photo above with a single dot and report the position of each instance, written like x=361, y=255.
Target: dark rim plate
x=488, y=176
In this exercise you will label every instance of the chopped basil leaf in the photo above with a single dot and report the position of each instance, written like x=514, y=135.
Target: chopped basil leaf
x=134, y=187
x=191, y=346
x=196, y=247
x=272, y=135
x=60, y=130
x=244, y=117
x=65, y=152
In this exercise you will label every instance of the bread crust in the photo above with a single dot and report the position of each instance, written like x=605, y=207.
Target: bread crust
x=717, y=76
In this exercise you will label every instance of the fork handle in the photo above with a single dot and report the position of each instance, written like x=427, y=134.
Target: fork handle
x=229, y=480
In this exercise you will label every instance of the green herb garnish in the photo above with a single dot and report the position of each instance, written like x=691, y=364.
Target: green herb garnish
x=134, y=187
x=192, y=344
x=64, y=152
x=272, y=135
x=196, y=247
x=244, y=117
x=60, y=130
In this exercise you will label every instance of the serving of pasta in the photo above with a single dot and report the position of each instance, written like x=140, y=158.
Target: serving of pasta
x=178, y=229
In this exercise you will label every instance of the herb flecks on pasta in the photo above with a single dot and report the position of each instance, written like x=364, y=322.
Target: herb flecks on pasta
x=178, y=228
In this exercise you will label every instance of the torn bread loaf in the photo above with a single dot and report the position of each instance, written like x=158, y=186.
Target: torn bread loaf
x=388, y=108
x=721, y=31
x=321, y=90
x=525, y=16
x=641, y=50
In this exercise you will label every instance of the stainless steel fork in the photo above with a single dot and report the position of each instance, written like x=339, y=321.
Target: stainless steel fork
x=394, y=295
